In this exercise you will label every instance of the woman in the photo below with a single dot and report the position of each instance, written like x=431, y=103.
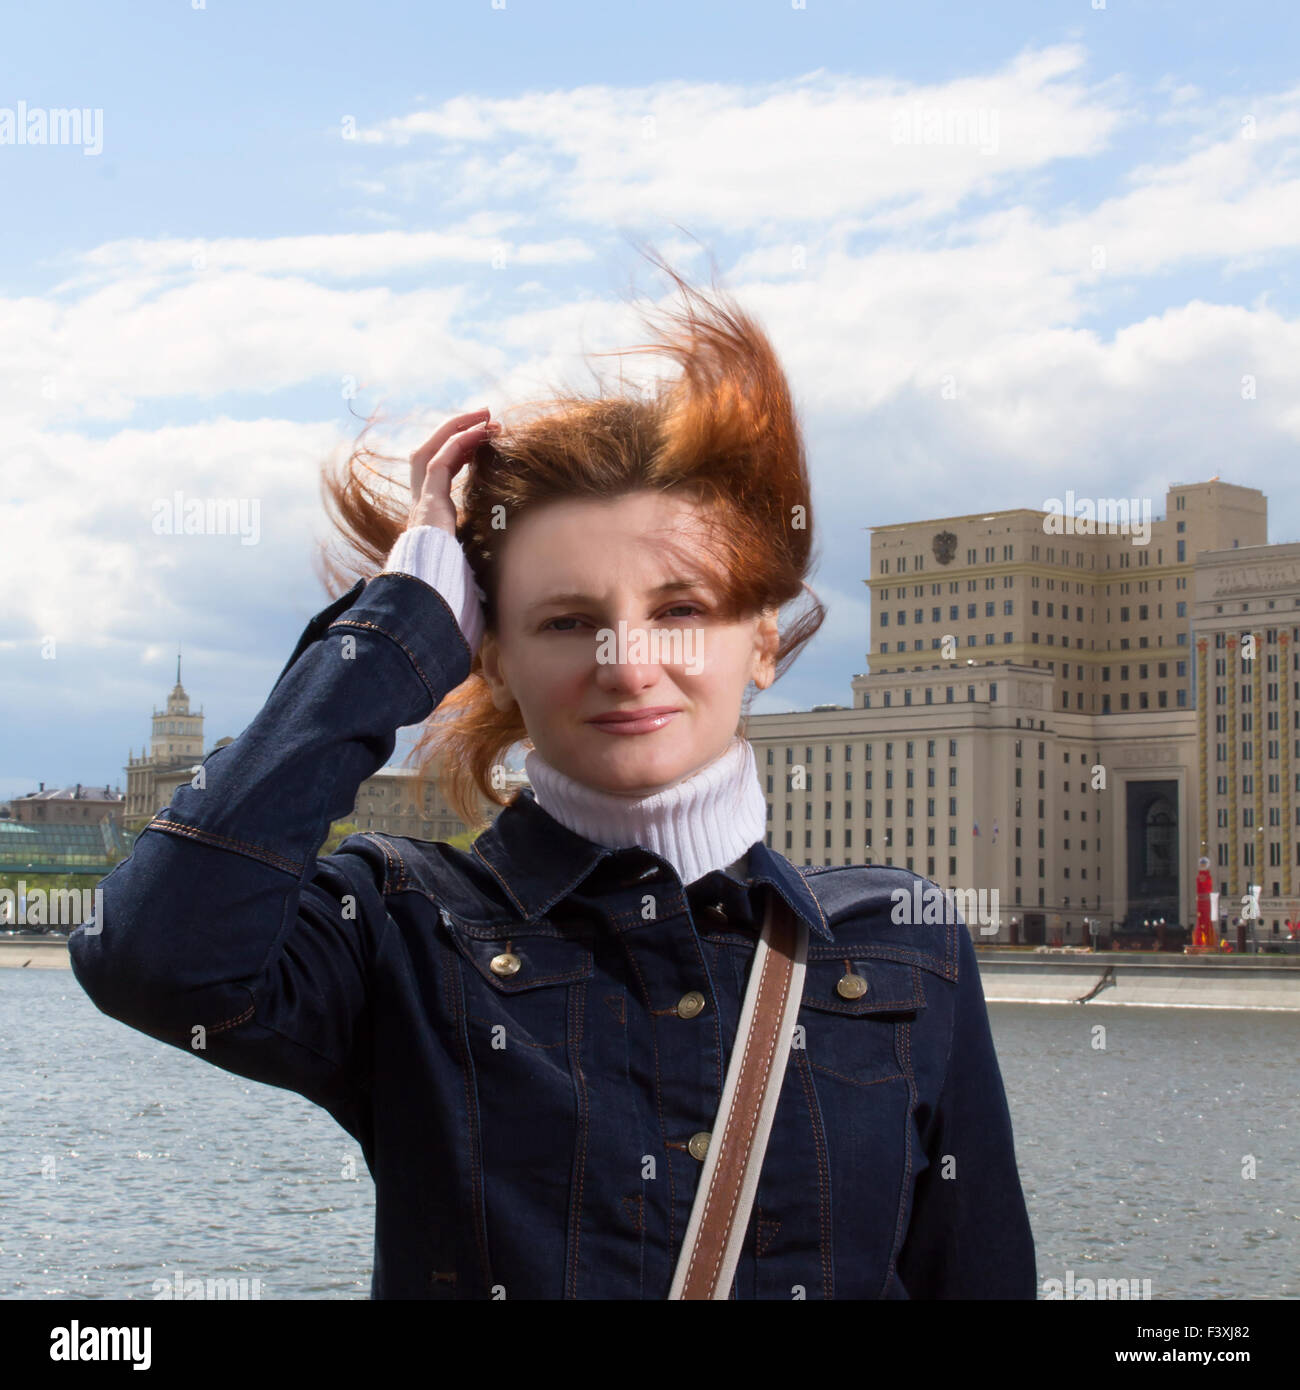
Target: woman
x=529, y=1040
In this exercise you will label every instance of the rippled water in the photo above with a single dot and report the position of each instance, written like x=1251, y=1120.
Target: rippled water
x=1133, y=1158
x=123, y=1160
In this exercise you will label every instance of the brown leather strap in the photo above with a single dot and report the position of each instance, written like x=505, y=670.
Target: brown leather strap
x=720, y=1215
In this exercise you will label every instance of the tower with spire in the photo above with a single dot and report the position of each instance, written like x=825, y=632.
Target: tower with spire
x=175, y=747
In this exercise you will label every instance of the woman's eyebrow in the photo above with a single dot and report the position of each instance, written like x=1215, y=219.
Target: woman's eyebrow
x=672, y=586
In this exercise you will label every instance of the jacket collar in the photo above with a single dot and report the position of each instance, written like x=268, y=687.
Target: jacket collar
x=539, y=862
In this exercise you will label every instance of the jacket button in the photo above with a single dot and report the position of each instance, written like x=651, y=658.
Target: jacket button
x=851, y=986
x=690, y=1004
x=715, y=912
x=507, y=963
x=699, y=1144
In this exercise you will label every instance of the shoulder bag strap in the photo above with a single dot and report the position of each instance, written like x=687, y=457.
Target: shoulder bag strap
x=710, y=1251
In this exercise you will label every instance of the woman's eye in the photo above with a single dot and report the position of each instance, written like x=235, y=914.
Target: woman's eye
x=692, y=610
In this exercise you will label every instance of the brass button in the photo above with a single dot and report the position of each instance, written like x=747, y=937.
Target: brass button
x=699, y=1144
x=690, y=1004
x=507, y=963
x=716, y=912
x=851, y=986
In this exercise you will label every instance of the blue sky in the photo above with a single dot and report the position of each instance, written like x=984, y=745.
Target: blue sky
x=437, y=202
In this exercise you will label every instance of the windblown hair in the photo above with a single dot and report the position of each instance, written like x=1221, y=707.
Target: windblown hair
x=722, y=433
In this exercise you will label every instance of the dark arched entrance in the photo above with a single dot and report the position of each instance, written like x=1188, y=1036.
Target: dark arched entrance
x=1152, y=841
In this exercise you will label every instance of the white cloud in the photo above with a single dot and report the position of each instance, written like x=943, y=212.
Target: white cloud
x=818, y=147
x=841, y=240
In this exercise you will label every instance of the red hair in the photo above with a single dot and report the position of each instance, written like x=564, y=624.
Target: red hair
x=723, y=433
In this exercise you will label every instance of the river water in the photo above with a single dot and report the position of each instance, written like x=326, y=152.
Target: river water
x=124, y=1161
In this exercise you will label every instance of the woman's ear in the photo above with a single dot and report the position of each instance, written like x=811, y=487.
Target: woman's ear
x=490, y=656
x=767, y=642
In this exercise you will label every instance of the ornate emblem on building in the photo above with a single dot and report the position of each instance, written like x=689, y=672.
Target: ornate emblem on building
x=944, y=546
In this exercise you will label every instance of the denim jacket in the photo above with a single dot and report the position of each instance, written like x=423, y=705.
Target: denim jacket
x=523, y=1050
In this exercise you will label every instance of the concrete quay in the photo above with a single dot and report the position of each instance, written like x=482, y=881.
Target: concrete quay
x=1142, y=978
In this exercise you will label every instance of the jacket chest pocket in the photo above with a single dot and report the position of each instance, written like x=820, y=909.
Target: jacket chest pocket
x=516, y=982
x=850, y=1013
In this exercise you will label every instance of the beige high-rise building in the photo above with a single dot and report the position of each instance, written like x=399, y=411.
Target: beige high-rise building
x=1247, y=646
x=1029, y=723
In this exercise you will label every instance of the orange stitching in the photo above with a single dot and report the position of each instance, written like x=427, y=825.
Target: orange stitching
x=904, y=1041
x=853, y=1080
x=388, y=856
x=365, y=623
x=440, y=597
x=638, y=1215
x=659, y=1098
x=231, y=1022
x=569, y=975
x=761, y=1246
x=491, y=868
x=819, y=1143
x=580, y=1013
x=195, y=832
x=471, y=1114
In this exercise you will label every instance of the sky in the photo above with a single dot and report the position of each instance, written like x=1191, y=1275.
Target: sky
x=1004, y=251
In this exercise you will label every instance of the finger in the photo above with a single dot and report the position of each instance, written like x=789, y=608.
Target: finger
x=471, y=423
x=456, y=453
x=445, y=431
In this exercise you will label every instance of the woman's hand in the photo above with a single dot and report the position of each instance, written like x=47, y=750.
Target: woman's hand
x=437, y=461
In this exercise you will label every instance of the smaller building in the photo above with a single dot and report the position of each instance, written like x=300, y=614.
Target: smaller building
x=75, y=805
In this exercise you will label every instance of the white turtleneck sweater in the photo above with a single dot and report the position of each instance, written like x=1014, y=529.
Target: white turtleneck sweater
x=703, y=822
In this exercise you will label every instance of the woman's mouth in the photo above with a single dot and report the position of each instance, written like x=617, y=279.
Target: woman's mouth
x=634, y=721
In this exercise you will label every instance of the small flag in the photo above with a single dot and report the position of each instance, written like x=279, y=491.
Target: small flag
x=975, y=828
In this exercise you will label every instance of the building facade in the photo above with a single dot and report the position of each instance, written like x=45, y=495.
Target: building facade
x=68, y=806
x=1030, y=720
x=1247, y=797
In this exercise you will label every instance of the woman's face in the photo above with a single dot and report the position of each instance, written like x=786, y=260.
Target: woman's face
x=627, y=644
